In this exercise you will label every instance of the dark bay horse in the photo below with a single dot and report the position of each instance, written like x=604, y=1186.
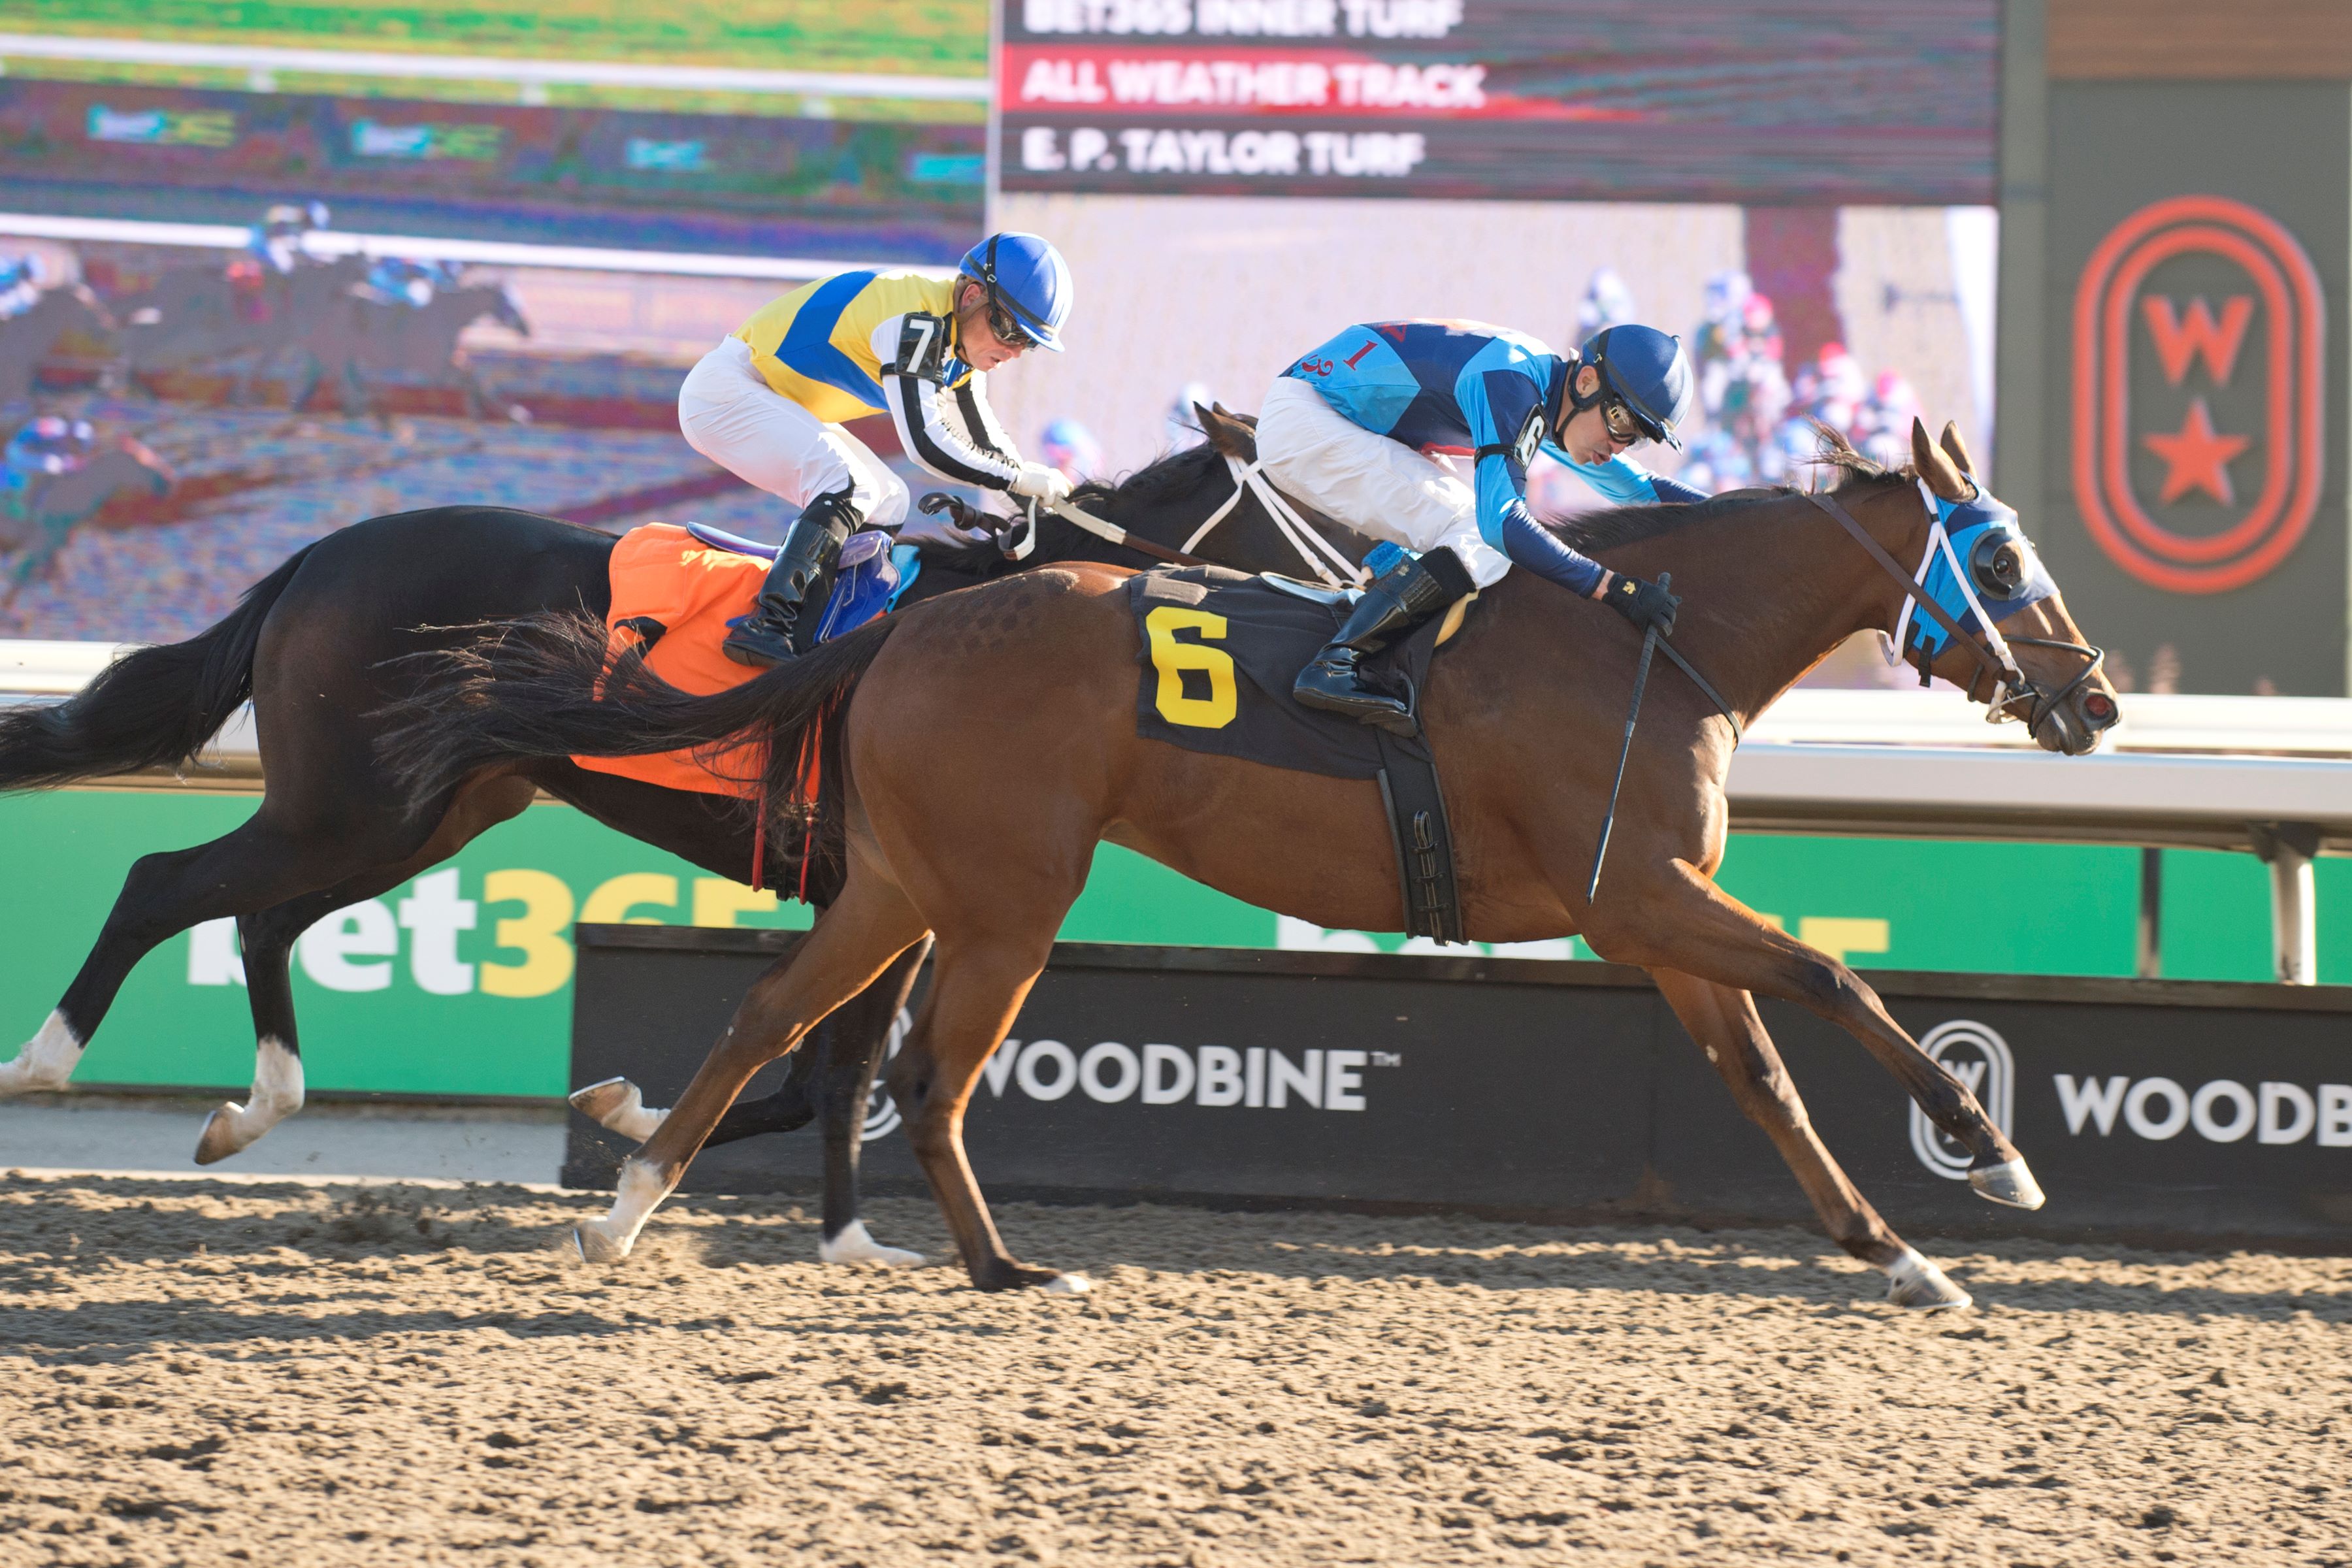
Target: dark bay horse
x=311, y=645
x=1030, y=686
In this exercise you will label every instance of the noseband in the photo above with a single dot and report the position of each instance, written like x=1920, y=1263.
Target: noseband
x=2010, y=684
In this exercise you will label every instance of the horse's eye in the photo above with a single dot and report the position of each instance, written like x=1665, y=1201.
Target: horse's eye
x=2000, y=566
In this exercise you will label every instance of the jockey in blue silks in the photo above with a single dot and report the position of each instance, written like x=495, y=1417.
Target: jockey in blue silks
x=1345, y=427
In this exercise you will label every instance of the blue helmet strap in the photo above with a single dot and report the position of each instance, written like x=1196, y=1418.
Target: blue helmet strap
x=1965, y=535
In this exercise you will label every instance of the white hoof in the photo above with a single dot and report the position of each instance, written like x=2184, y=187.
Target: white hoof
x=2008, y=1182
x=618, y=1105
x=1916, y=1284
x=277, y=1095
x=595, y=1242
x=1068, y=1285
x=855, y=1246
x=46, y=1062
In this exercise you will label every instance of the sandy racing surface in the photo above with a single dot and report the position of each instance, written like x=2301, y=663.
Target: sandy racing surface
x=199, y=1373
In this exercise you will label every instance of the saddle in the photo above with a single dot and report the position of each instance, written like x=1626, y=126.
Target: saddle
x=674, y=591
x=1220, y=652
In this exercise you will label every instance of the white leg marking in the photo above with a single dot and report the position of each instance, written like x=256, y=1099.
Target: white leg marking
x=618, y=1104
x=855, y=1246
x=45, y=1063
x=608, y=1240
x=1915, y=1283
x=277, y=1095
x=1068, y=1285
x=2009, y=1183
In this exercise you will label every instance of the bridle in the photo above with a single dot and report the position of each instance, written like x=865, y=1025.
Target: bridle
x=2010, y=684
x=1248, y=478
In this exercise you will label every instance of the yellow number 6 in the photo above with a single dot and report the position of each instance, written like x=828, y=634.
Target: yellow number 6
x=1172, y=659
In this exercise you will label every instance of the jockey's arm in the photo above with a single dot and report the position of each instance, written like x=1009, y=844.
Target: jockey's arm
x=1621, y=480
x=1505, y=411
x=950, y=430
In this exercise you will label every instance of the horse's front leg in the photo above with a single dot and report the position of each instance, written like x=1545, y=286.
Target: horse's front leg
x=1724, y=1022
x=1665, y=915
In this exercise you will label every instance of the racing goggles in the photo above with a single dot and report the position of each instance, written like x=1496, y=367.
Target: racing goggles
x=1623, y=425
x=1004, y=314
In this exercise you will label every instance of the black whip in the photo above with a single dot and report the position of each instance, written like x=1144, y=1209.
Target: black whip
x=1641, y=680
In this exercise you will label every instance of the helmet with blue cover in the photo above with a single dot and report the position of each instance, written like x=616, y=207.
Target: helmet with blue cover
x=1648, y=372
x=1028, y=287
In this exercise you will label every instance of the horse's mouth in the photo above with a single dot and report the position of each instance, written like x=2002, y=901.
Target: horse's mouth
x=2076, y=727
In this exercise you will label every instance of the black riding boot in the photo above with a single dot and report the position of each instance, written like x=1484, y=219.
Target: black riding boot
x=771, y=633
x=1390, y=608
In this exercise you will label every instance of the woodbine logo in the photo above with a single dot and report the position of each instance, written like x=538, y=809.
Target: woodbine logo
x=1255, y=1077
x=2222, y=1110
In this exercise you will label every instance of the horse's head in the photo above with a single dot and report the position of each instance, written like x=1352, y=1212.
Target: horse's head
x=1981, y=568
x=1233, y=435
x=503, y=308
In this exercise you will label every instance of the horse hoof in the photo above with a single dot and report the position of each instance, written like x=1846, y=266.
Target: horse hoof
x=2008, y=1182
x=618, y=1105
x=855, y=1246
x=1068, y=1285
x=1918, y=1286
x=218, y=1140
x=595, y=1246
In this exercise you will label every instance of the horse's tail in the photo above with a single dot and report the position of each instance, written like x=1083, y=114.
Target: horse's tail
x=546, y=685
x=154, y=708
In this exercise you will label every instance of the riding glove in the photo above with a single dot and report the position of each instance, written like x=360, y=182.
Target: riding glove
x=1643, y=604
x=1047, y=485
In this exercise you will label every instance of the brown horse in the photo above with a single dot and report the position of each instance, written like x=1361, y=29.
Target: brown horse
x=990, y=742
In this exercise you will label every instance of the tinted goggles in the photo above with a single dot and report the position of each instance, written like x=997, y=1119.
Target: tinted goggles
x=1007, y=326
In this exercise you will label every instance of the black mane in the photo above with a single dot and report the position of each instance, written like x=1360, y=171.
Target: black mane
x=1176, y=474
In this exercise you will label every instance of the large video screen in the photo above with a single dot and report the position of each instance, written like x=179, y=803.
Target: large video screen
x=265, y=271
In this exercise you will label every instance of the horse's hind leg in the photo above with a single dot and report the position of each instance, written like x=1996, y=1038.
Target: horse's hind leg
x=854, y=941
x=855, y=1038
x=251, y=868
x=1679, y=919
x=977, y=988
x=1724, y=1022
x=270, y=935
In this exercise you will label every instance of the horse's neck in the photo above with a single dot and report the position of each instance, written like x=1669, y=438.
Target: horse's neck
x=1767, y=598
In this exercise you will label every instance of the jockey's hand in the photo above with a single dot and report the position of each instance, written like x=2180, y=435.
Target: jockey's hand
x=1642, y=602
x=1042, y=483
x=968, y=519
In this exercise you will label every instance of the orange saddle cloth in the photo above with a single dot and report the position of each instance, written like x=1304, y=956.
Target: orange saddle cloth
x=663, y=573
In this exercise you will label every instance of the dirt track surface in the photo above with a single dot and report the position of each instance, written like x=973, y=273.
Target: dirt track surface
x=204, y=1374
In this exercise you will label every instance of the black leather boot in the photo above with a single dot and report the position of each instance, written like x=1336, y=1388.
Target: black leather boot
x=772, y=633
x=1390, y=608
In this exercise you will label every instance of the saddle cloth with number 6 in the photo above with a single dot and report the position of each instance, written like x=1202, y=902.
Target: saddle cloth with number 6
x=1221, y=650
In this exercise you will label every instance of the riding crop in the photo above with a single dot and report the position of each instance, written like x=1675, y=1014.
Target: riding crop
x=1633, y=714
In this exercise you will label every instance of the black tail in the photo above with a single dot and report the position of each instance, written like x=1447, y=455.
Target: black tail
x=542, y=687
x=153, y=709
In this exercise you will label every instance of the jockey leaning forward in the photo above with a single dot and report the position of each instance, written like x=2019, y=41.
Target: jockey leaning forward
x=1343, y=429
x=767, y=405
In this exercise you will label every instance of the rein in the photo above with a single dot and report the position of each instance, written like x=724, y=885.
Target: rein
x=2010, y=684
x=1247, y=479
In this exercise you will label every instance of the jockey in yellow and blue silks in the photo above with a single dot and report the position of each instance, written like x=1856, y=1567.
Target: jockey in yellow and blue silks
x=768, y=404
x=1345, y=427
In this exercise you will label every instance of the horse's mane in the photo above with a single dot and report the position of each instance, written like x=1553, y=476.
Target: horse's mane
x=1171, y=473
x=1631, y=524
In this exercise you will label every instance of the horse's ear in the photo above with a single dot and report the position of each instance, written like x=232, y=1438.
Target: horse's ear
x=1937, y=470
x=1953, y=443
x=1228, y=433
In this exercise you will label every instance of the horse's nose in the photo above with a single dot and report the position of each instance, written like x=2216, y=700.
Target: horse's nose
x=2098, y=710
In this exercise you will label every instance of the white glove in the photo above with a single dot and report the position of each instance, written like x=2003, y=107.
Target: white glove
x=1046, y=485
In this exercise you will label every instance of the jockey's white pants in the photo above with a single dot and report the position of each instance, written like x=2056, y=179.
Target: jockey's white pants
x=730, y=413
x=1372, y=484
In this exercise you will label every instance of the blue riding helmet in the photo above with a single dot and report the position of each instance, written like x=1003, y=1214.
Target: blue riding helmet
x=1025, y=278
x=1647, y=370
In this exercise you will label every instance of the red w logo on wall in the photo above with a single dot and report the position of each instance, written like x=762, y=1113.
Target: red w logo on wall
x=2174, y=261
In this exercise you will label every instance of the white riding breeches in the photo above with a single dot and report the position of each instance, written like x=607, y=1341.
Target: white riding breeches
x=1372, y=484
x=730, y=413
